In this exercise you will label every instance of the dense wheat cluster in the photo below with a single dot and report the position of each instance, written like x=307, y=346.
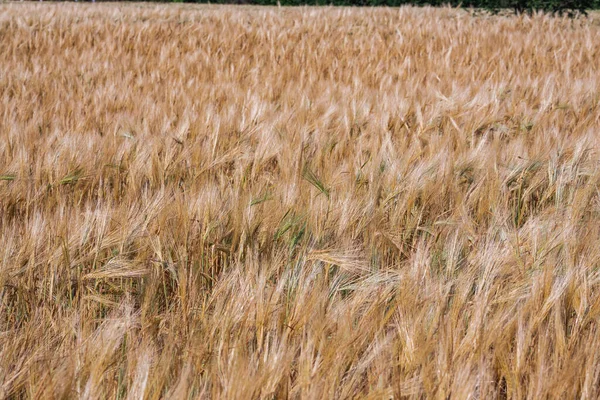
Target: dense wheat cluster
x=237, y=203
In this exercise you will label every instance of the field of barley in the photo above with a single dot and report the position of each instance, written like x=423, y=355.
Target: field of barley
x=311, y=203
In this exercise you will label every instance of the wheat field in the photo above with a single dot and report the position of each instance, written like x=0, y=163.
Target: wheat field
x=262, y=203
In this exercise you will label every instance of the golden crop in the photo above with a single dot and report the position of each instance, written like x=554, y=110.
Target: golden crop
x=239, y=202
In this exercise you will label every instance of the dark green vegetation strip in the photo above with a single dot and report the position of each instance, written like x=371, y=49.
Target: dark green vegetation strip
x=562, y=7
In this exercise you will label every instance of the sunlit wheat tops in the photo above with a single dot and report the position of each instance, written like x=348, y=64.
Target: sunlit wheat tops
x=241, y=202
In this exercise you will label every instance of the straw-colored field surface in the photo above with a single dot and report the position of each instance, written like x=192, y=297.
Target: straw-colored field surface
x=237, y=203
